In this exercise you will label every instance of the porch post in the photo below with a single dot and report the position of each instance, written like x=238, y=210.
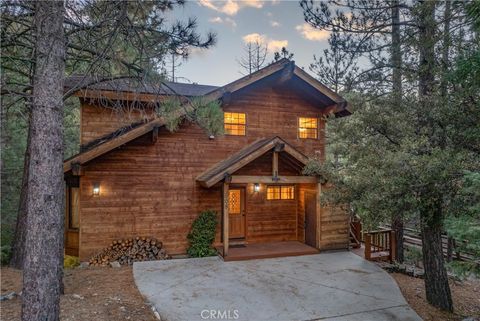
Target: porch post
x=225, y=219
x=319, y=213
x=275, y=165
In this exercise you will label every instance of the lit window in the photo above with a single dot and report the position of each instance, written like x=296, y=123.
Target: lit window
x=280, y=192
x=307, y=127
x=235, y=123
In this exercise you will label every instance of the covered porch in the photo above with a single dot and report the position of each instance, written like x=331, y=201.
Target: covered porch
x=266, y=250
x=269, y=209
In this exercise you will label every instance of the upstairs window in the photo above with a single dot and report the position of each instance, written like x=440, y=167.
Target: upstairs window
x=280, y=192
x=307, y=127
x=235, y=123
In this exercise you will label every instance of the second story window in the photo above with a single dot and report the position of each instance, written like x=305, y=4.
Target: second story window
x=307, y=127
x=235, y=123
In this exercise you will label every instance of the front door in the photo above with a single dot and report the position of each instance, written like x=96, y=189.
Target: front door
x=310, y=219
x=236, y=210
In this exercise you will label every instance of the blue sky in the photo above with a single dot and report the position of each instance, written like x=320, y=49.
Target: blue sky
x=275, y=23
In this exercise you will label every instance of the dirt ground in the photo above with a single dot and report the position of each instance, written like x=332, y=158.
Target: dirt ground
x=100, y=294
x=466, y=298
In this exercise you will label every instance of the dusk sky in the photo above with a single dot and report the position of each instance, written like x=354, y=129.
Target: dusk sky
x=276, y=23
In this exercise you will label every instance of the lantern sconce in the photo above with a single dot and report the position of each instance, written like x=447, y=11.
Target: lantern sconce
x=96, y=189
x=256, y=187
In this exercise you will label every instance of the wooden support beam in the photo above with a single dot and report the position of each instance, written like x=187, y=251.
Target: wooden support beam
x=155, y=134
x=77, y=169
x=279, y=147
x=368, y=246
x=319, y=214
x=245, y=179
x=226, y=225
x=393, y=247
x=275, y=166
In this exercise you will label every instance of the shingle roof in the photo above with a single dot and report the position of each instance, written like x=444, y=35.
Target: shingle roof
x=209, y=92
x=140, y=86
x=226, y=163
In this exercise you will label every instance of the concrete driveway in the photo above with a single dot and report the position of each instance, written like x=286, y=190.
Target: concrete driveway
x=328, y=286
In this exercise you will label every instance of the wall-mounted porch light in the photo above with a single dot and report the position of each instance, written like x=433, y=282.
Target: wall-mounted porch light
x=256, y=187
x=96, y=189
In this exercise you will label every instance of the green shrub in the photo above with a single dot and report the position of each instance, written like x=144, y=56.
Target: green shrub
x=6, y=253
x=413, y=255
x=202, y=235
x=70, y=261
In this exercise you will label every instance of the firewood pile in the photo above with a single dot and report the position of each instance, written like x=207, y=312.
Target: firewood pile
x=127, y=251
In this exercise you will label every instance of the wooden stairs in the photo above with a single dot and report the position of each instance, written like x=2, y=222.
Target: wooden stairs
x=355, y=233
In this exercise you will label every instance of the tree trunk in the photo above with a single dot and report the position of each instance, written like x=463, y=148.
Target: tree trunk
x=436, y=278
x=396, y=58
x=449, y=249
x=44, y=240
x=446, y=48
x=397, y=226
x=436, y=281
x=396, y=55
x=18, y=247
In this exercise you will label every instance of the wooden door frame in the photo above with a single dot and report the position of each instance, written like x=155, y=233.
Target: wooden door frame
x=243, y=206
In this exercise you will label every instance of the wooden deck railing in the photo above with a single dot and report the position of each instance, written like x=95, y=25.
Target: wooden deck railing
x=380, y=245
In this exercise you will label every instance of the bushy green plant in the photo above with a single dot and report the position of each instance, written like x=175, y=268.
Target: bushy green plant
x=315, y=167
x=5, y=254
x=169, y=109
x=70, y=261
x=208, y=115
x=413, y=255
x=202, y=235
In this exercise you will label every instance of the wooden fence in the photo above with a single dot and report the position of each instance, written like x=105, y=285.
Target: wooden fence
x=380, y=245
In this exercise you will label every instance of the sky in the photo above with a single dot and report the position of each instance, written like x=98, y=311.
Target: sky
x=276, y=23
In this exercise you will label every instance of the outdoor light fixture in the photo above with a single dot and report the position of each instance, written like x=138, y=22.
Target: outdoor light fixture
x=96, y=189
x=256, y=187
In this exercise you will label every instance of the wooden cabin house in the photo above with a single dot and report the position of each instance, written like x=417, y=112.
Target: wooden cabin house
x=133, y=177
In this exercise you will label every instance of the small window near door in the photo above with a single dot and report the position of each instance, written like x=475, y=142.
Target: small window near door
x=235, y=123
x=280, y=192
x=234, y=205
x=307, y=127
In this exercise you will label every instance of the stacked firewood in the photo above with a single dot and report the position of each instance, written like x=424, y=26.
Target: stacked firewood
x=127, y=251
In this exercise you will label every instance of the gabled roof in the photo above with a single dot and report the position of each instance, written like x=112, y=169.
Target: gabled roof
x=246, y=155
x=87, y=84
x=285, y=68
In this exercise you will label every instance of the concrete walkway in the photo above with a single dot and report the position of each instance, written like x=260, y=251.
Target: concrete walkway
x=329, y=286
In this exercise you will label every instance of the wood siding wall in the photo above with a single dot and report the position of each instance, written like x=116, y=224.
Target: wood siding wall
x=97, y=121
x=149, y=188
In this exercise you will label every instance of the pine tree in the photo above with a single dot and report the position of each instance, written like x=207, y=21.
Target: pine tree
x=106, y=40
x=282, y=54
x=336, y=68
x=405, y=155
